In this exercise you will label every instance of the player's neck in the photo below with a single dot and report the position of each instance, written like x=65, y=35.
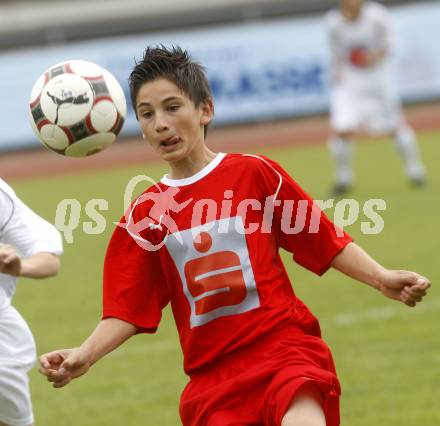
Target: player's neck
x=351, y=15
x=191, y=164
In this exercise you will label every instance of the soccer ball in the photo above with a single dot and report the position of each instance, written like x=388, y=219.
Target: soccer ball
x=77, y=108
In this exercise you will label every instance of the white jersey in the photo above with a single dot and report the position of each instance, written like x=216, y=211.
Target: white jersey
x=362, y=96
x=28, y=233
x=370, y=31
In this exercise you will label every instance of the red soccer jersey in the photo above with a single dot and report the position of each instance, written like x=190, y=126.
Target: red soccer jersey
x=209, y=244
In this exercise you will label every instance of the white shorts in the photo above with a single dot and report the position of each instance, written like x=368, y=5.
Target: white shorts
x=17, y=357
x=374, y=109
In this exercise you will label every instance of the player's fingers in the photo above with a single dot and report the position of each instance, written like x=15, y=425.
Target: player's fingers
x=407, y=299
x=418, y=280
x=409, y=278
x=9, y=257
x=4, y=248
x=415, y=291
x=411, y=299
x=423, y=282
x=44, y=371
x=70, y=363
x=7, y=250
x=49, y=359
x=410, y=303
x=62, y=383
x=54, y=375
x=51, y=371
x=73, y=363
x=44, y=362
x=415, y=298
x=52, y=360
x=419, y=292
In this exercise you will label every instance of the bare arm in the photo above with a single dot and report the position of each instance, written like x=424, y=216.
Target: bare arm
x=61, y=366
x=405, y=286
x=40, y=265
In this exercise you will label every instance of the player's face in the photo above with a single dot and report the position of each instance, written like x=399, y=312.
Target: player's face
x=351, y=9
x=170, y=121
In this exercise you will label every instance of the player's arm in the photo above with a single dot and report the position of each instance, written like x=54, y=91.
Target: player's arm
x=129, y=293
x=61, y=366
x=339, y=49
x=383, y=28
x=336, y=56
x=31, y=246
x=405, y=286
x=40, y=265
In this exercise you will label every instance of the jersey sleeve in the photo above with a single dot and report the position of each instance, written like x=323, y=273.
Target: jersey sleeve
x=6, y=210
x=29, y=233
x=134, y=287
x=331, y=26
x=380, y=15
x=299, y=226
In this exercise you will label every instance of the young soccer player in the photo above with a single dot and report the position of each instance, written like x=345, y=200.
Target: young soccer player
x=29, y=247
x=206, y=239
x=363, y=95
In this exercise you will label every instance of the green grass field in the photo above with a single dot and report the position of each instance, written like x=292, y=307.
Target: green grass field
x=387, y=355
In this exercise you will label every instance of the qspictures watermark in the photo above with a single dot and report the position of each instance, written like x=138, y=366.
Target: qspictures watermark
x=292, y=216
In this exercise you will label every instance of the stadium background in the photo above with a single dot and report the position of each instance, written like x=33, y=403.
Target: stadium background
x=387, y=355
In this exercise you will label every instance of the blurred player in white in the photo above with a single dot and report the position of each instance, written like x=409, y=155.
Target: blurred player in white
x=363, y=97
x=29, y=247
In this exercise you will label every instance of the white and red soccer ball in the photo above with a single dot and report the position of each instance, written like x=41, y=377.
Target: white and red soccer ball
x=77, y=108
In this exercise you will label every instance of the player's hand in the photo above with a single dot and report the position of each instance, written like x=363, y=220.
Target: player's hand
x=364, y=58
x=359, y=57
x=10, y=262
x=408, y=287
x=62, y=366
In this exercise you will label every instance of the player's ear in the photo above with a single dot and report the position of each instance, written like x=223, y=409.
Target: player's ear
x=207, y=109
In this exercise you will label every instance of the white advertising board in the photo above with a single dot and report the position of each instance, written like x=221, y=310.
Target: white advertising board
x=258, y=71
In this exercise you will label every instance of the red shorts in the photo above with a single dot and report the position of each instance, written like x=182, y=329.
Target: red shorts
x=255, y=385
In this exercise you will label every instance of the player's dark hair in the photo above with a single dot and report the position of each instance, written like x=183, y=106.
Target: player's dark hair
x=176, y=65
